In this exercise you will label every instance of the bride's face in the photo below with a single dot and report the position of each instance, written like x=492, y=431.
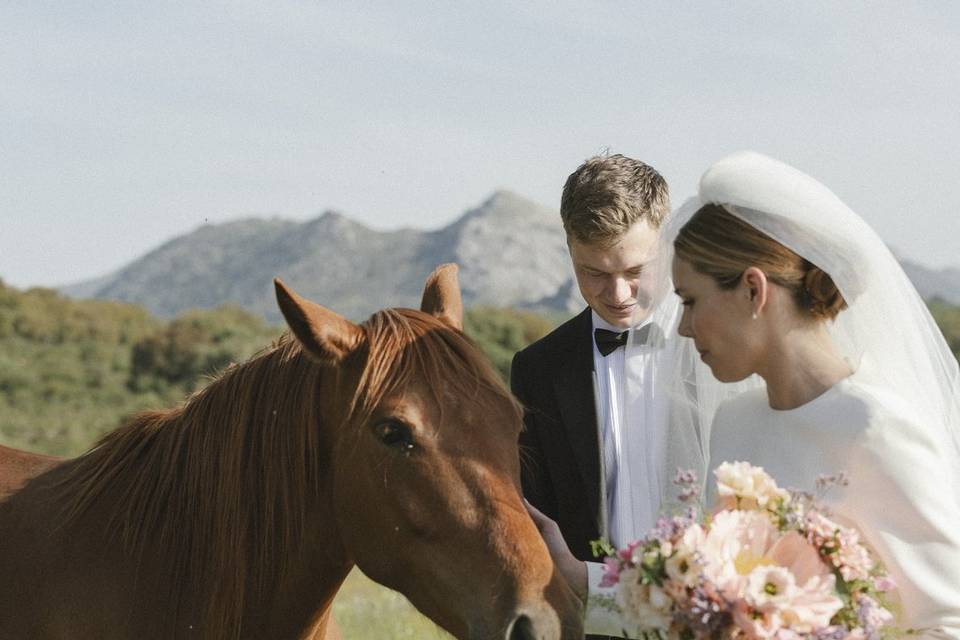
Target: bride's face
x=718, y=322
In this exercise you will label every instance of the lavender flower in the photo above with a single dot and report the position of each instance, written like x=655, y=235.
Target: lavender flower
x=686, y=479
x=872, y=616
x=835, y=632
x=670, y=528
x=708, y=614
x=828, y=481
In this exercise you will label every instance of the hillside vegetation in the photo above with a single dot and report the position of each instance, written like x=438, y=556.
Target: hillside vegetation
x=73, y=370
x=948, y=319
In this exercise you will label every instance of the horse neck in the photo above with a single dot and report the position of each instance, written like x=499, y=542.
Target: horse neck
x=231, y=490
x=303, y=597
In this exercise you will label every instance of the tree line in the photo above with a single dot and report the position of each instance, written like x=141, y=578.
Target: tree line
x=71, y=370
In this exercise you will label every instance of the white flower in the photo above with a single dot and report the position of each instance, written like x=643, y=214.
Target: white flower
x=770, y=587
x=684, y=567
x=742, y=485
x=645, y=606
x=659, y=600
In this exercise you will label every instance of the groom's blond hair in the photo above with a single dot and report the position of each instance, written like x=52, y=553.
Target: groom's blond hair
x=607, y=194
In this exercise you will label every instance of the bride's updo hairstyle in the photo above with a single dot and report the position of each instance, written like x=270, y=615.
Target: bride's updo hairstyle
x=721, y=245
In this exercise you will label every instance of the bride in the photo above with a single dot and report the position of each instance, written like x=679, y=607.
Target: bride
x=778, y=278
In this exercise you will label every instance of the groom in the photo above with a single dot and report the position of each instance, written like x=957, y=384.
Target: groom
x=571, y=381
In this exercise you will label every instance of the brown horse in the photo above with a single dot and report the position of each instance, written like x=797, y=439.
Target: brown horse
x=390, y=445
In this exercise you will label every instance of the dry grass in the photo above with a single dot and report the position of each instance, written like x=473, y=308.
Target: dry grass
x=366, y=611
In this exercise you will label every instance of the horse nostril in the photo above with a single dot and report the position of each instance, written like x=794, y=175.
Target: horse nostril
x=521, y=629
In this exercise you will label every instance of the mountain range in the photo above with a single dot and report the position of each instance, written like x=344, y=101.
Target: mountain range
x=511, y=251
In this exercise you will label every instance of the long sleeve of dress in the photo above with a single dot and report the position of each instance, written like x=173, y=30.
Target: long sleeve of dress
x=900, y=497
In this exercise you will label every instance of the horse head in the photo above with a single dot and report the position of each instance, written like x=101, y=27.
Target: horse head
x=424, y=474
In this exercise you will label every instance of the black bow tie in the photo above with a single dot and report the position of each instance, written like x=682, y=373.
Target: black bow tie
x=609, y=341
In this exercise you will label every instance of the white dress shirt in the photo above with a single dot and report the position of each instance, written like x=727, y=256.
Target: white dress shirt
x=632, y=441
x=633, y=451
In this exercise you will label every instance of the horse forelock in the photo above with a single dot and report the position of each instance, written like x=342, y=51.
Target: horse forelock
x=404, y=344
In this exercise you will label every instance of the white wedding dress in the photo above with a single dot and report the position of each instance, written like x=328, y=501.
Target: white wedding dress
x=893, y=426
x=902, y=494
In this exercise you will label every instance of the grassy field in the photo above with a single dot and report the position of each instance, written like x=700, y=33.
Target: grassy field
x=366, y=611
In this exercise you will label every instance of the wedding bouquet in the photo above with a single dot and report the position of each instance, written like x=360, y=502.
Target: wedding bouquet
x=765, y=563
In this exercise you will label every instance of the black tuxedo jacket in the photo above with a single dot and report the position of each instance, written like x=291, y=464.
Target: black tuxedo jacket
x=559, y=447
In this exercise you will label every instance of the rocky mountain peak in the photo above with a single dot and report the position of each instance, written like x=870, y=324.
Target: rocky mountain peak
x=507, y=206
x=333, y=220
x=511, y=251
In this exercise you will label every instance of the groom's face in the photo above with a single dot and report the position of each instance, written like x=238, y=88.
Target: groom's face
x=616, y=279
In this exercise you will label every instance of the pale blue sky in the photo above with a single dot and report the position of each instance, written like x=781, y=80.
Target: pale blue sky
x=124, y=124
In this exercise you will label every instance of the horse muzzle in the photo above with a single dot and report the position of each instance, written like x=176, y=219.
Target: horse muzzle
x=542, y=623
x=524, y=627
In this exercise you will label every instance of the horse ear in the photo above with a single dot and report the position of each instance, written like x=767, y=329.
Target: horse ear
x=441, y=295
x=326, y=335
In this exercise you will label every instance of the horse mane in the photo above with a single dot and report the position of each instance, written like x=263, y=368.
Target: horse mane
x=221, y=484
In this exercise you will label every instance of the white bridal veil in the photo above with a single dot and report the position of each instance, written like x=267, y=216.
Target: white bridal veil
x=887, y=333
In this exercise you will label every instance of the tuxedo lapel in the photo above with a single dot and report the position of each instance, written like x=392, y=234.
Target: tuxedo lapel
x=576, y=400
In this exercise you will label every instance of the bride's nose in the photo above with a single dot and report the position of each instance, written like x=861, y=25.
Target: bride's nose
x=685, y=328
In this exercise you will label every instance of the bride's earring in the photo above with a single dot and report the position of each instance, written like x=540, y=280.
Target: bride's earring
x=750, y=296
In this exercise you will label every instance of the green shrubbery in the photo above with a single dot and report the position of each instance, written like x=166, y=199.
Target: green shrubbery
x=948, y=318
x=72, y=370
x=185, y=351
x=503, y=332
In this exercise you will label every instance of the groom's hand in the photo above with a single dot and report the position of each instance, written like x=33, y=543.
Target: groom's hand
x=573, y=570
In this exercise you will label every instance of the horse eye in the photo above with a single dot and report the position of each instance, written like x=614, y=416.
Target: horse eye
x=395, y=434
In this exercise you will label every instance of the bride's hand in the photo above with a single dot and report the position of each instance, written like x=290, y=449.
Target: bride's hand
x=573, y=570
